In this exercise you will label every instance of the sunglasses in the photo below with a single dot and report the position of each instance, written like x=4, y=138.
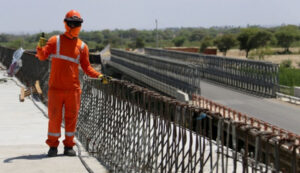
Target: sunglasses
x=74, y=24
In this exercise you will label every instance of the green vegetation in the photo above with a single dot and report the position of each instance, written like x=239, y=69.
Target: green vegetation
x=178, y=41
x=286, y=36
x=289, y=76
x=137, y=43
x=261, y=52
x=250, y=38
x=207, y=41
x=253, y=38
x=225, y=42
x=286, y=64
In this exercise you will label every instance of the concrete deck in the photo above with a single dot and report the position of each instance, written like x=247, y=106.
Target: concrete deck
x=23, y=131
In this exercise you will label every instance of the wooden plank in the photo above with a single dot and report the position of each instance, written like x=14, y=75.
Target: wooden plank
x=22, y=95
x=38, y=88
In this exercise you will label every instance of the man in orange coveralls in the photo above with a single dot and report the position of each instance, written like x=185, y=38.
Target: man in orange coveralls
x=66, y=52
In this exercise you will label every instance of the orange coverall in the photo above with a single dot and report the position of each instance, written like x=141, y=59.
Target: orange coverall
x=64, y=87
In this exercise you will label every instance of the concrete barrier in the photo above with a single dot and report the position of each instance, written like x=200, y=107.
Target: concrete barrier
x=297, y=92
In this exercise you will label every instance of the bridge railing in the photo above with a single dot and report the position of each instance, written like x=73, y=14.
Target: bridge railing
x=253, y=76
x=178, y=74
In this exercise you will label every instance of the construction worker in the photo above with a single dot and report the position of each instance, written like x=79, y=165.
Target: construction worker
x=66, y=52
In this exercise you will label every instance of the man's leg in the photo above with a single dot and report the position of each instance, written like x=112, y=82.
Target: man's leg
x=72, y=105
x=55, y=104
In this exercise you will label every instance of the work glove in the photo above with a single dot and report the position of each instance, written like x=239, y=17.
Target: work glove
x=42, y=41
x=104, y=79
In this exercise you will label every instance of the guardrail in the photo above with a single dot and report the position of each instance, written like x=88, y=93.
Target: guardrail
x=286, y=90
x=290, y=99
x=297, y=91
x=256, y=77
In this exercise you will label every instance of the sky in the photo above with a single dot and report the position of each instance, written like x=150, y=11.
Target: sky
x=31, y=16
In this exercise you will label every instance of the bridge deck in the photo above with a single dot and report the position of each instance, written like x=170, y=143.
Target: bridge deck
x=281, y=114
x=23, y=130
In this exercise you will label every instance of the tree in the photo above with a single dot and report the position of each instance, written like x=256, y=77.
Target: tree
x=252, y=38
x=97, y=36
x=197, y=35
x=131, y=45
x=261, y=38
x=207, y=41
x=139, y=43
x=4, y=38
x=286, y=35
x=225, y=42
x=178, y=41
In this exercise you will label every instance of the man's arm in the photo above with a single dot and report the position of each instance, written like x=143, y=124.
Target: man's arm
x=85, y=63
x=42, y=53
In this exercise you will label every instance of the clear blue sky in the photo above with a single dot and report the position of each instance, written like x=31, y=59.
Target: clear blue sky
x=23, y=16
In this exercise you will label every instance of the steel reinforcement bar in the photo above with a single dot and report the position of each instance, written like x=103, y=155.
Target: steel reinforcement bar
x=178, y=74
x=256, y=77
x=239, y=117
x=132, y=129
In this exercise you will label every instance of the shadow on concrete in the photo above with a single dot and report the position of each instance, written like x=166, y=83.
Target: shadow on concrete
x=28, y=157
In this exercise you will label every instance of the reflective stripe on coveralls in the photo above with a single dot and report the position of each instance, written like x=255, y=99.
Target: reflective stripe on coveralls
x=54, y=134
x=63, y=57
x=70, y=133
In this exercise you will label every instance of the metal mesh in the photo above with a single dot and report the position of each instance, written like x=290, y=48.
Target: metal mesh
x=132, y=129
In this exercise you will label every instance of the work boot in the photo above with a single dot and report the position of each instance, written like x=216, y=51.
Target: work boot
x=69, y=151
x=52, y=152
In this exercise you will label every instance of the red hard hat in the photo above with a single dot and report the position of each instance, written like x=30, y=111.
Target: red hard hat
x=73, y=16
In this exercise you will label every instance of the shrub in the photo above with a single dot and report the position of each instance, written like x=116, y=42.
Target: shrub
x=286, y=63
x=178, y=41
x=261, y=53
x=289, y=76
x=206, y=42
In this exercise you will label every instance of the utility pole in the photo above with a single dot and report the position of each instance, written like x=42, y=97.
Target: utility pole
x=156, y=23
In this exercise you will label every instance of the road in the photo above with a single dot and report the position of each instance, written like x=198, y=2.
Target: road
x=273, y=111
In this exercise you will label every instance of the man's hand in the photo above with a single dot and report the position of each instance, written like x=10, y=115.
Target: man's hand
x=42, y=42
x=104, y=79
x=100, y=76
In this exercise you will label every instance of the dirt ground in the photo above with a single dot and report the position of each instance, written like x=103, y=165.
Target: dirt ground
x=295, y=58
